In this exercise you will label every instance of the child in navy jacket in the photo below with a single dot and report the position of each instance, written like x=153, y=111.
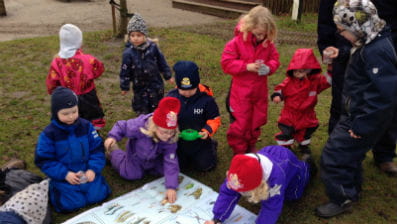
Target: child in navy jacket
x=199, y=112
x=142, y=64
x=369, y=103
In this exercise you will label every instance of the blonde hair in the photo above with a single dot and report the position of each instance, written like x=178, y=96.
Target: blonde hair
x=150, y=130
x=258, y=194
x=262, y=17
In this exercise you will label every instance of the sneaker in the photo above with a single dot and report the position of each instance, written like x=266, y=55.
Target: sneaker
x=14, y=164
x=332, y=209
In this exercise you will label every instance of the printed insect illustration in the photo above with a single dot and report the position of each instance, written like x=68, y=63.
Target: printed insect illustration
x=197, y=193
x=113, y=209
x=188, y=186
x=137, y=221
x=174, y=208
x=124, y=216
x=238, y=218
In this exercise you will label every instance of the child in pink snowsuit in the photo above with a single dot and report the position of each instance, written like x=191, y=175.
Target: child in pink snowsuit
x=249, y=58
x=299, y=91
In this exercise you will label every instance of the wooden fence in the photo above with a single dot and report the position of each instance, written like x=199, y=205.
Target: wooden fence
x=279, y=7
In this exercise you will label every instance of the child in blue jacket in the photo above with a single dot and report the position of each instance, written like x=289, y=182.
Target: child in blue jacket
x=71, y=153
x=142, y=64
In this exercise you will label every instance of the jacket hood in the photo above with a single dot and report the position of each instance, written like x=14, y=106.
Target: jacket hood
x=304, y=58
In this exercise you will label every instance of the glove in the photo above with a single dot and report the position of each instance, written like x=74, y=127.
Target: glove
x=263, y=70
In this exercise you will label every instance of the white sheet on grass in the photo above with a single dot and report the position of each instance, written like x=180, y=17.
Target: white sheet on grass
x=143, y=206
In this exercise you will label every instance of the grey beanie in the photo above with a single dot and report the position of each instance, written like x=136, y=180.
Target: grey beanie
x=70, y=40
x=137, y=23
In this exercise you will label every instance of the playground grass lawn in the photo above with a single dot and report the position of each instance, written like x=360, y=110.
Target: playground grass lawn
x=25, y=111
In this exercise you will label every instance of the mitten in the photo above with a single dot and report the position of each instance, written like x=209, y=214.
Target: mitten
x=263, y=70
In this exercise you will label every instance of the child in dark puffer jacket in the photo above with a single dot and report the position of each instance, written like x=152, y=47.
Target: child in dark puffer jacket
x=142, y=64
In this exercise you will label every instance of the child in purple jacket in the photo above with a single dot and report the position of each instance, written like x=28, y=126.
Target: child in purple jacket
x=269, y=177
x=151, y=146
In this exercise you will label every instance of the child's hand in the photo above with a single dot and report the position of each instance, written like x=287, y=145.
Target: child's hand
x=171, y=81
x=353, y=135
x=334, y=52
x=90, y=174
x=204, y=134
x=276, y=99
x=123, y=92
x=170, y=195
x=109, y=142
x=72, y=178
x=253, y=67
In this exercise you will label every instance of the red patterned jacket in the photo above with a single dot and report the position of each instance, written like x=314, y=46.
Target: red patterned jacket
x=76, y=73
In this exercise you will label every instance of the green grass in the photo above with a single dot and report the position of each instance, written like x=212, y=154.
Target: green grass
x=24, y=111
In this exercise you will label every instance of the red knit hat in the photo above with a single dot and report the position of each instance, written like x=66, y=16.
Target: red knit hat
x=166, y=114
x=245, y=173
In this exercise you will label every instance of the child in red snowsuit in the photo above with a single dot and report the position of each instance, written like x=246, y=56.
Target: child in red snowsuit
x=299, y=91
x=249, y=58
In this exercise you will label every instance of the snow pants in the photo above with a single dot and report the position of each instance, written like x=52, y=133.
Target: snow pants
x=248, y=115
x=66, y=197
x=341, y=162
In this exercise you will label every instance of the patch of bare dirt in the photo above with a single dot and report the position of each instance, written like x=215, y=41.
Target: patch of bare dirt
x=32, y=18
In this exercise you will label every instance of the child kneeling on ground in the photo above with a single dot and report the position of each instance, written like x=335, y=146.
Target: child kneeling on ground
x=71, y=153
x=199, y=112
x=151, y=146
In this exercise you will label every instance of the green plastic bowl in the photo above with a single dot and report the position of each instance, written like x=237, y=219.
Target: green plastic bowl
x=189, y=135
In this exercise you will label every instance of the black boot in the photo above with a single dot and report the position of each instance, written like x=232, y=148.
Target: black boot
x=307, y=157
x=332, y=209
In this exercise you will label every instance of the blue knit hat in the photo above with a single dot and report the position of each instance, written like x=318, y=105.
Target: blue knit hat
x=186, y=75
x=62, y=98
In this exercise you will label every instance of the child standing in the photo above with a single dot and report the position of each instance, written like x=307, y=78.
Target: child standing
x=299, y=91
x=249, y=58
x=151, y=146
x=75, y=70
x=369, y=96
x=142, y=64
x=269, y=177
x=199, y=112
x=71, y=153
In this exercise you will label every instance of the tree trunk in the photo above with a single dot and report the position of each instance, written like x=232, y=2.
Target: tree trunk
x=2, y=8
x=123, y=19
